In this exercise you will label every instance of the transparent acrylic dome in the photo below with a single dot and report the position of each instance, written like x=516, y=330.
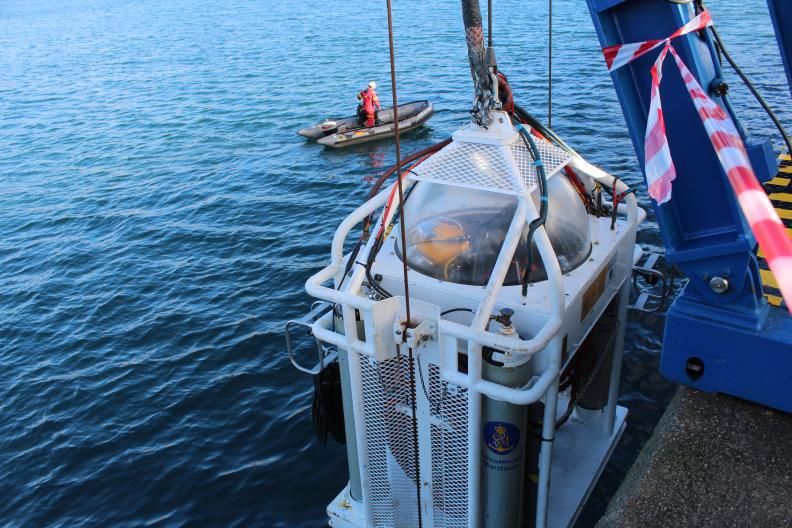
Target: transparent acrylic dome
x=455, y=234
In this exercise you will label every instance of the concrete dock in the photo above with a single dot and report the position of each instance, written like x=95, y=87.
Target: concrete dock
x=713, y=461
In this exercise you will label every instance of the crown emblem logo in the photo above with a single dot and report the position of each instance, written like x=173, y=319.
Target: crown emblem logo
x=501, y=437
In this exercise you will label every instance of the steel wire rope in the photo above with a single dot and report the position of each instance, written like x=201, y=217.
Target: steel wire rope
x=379, y=240
x=403, y=229
x=489, y=23
x=549, y=63
x=754, y=91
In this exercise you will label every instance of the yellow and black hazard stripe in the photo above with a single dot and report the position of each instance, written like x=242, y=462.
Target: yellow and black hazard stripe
x=779, y=190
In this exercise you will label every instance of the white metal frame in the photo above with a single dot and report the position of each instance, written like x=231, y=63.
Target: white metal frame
x=548, y=337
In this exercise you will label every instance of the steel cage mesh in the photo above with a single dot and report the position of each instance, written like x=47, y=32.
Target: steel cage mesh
x=505, y=169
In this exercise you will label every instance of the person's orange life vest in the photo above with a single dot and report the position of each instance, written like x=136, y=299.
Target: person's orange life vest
x=369, y=101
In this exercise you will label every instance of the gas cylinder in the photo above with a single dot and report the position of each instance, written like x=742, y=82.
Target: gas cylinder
x=504, y=436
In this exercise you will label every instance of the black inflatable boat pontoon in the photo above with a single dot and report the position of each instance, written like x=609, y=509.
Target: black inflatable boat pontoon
x=347, y=131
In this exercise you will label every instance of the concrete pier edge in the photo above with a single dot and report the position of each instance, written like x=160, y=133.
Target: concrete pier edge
x=713, y=460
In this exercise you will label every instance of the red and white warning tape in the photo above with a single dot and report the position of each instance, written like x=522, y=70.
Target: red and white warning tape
x=659, y=166
x=660, y=170
x=621, y=54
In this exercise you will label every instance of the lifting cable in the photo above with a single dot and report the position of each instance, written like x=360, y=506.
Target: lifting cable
x=699, y=5
x=399, y=183
x=549, y=63
x=538, y=222
x=408, y=322
x=489, y=23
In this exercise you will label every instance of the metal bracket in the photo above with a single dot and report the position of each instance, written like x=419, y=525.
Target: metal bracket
x=657, y=289
x=414, y=337
x=486, y=99
x=318, y=310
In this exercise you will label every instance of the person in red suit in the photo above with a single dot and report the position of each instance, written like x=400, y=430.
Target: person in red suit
x=369, y=104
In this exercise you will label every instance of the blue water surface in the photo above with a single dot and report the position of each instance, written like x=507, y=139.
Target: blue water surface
x=158, y=218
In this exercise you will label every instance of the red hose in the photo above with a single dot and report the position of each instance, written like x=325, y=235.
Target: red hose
x=420, y=156
x=409, y=159
x=579, y=187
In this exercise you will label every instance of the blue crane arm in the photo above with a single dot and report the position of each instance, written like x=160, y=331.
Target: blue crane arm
x=781, y=14
x=744, y=345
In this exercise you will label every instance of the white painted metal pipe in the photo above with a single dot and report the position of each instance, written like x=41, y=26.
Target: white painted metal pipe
x=354, y=218
x=498, y=392
x=548, y=436
x=501, y=267
x=356, y=280
x=334, y=338
x=479, y=324
x=315, y=284
x=554, y=275
x=315, y=288
x=498, y=341
x=634, y=216
x=557, y=306
x=476, y=335
x=350, y=301
x=355, y=380
x=607, y=180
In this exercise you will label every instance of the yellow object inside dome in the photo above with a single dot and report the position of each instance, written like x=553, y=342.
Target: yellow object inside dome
x=446, y=241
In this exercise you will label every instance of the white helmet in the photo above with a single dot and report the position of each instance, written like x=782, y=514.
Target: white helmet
x=373, y=85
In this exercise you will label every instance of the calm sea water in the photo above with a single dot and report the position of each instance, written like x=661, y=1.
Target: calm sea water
x=158, y=218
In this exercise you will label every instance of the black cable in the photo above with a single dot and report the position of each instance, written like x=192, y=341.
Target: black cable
x=416, y=453
x=616, y=199
x=452, y=310
x=528, y=119
x=537, y=222
x=351, y=261
x=375, y=249
x=533, y=432
x=752, y=89
x=373, y=284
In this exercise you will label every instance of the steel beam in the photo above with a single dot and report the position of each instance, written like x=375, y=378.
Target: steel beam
x=781, y=14
x=703, y=230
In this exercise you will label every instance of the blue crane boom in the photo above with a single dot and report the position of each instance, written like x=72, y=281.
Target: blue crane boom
x=721, y=334
x=781, y=14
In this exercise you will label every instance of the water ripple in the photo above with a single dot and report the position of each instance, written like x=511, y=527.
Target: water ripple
x=160, y=216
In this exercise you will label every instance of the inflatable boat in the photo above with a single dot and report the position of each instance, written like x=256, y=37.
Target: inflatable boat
x=347, y=131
